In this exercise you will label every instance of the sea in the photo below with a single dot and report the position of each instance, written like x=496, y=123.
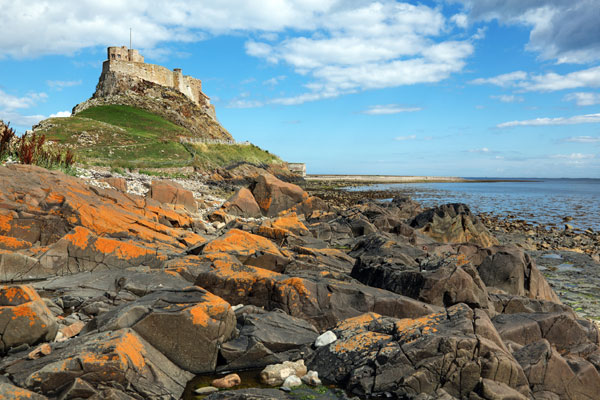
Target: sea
x=536, y=200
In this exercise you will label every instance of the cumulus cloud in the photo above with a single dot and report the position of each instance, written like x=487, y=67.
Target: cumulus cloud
x=563, y=30
x=548, y=82
x=577, y=119
x=60, y=114
x=389, y=109
x=584, y=98
x=483, y=150
x=11, y=102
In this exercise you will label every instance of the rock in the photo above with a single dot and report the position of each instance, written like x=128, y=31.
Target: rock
x=325, y=339
x=227, y=382
x=267, y=338
x=513, y=271
x=510, y=304
x=311, y=378
x=203, y=322
x=322, y=301
x=172, y=193
x=40, y=351
x=249, y=249
x=321, y=393
x=276, y=374
x=79, y=389
x=291, y=382
x=453, y=223
x=452, y=350
x=568, y=227
x=489, y=389
x=283, y=226
x=242, y=203
x=274, y=195
x=12, y=392
x=206, y=390
x=117, y=183
x=71, y=330
x=24, y=318
x=552, y=376
x=119, y=358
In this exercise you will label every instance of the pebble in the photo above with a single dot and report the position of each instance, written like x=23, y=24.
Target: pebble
x=311, y=378
x=292, y=381
x=226, y=382
x=206, y=390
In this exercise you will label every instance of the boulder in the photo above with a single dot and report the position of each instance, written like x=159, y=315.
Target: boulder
x=172, y=193
x=513, y=271
x=274, y=195
x=243, y=204
x=321, y=301
x=279, y=228
x=453, y=223
x=452, y=350
x=109, y=359
x=12, y=392
x=117, y=183
x=249, y=249
x=267, y=338
x=24, y=318
x=227, y=382
x=551, y=376
x=203, y=322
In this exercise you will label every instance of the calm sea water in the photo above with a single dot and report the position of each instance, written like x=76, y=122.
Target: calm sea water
x=545, y=201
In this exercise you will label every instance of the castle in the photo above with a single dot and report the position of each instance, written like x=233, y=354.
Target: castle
x=130, y=62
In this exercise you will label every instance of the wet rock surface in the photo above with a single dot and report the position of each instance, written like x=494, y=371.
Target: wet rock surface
x=129, y=296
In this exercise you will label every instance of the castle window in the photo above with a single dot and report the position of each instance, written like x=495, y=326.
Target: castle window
x=119, y=55
x=112, y=56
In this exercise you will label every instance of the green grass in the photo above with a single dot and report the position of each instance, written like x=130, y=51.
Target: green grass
x=223, y=155
x=127, y=137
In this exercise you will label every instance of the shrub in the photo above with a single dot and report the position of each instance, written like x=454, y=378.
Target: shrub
x=6, y=136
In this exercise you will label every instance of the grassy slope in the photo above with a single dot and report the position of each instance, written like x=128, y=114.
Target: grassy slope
x=124, y=136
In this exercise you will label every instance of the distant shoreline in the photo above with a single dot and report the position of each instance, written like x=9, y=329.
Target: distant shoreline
x=375, y=179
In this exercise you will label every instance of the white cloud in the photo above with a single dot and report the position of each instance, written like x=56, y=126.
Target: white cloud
x=583, y=139
x=577, y=119
x=482, y=150
x=504, y=80
x=60, y=114
x=460, y=20
x=508, y=98
x=59, y=85
x=389, y=109
x=548, y=82
x=10, y=102
x=584, y=98
x=275, y=80
x=563, y=30
x=404, y=138
x=574, y=156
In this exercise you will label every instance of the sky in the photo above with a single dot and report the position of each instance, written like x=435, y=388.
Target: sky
x=472, y=88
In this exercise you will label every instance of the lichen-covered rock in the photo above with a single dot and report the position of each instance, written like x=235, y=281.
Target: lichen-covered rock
x=12, y=392
x=24, y=318
x=274, y=195
x=118, y=358
x=453, y=223
x=249, y=249
x=279, y=228
x=324, y=302
x=188, y=326
x=452, y=350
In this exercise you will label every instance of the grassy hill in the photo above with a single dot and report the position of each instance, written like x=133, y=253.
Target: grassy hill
x=128, y=137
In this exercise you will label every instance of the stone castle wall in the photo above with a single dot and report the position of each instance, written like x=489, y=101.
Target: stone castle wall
x=127, y=61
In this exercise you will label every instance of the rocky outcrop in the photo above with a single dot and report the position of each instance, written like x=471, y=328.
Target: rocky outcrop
x=453, y=223
x=117, y=88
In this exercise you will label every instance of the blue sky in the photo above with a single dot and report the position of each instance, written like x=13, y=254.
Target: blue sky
x=456, y=87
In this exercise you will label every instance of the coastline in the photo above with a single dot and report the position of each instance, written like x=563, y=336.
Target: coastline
x=381, y=179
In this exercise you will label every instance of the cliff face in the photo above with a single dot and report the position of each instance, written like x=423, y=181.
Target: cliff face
x=124, y=89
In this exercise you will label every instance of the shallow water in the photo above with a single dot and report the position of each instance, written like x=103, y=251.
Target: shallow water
x=541, y=201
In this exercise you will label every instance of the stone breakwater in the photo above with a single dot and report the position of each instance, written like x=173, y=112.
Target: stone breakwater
x=420, y=303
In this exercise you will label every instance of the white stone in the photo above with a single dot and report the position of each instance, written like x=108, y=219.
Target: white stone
x=206, y=390
x=236, y=307
x=312, y=378
x=276, y=374
x=325, y=339
x=292, y=381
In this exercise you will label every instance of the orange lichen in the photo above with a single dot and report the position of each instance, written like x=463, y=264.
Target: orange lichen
x=80, y=237
x=358, y=321
x=122, y=250
x=359, y=342
x=212, y=306
x=128, y=346
x=240, y=242
x=409, y=328
x=12, y=243
x=15, y=295
x=289, y=222
x=5, y=222
x=25, y=311
x=297, y=284
x=55, y=198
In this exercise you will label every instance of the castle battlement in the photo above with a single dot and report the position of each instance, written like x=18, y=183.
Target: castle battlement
x=130, y=62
